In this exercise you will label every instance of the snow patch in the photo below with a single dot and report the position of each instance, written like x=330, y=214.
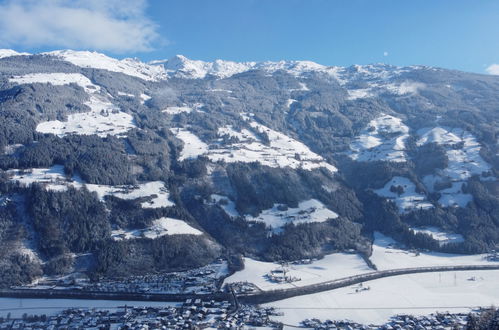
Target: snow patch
x=57, y=79
x=193, y=146
x=308, y=211
x=441, y=236
x=402, y=191
x=54, y=179
x=103, y=119
x=160, y=227
x=406, y=87
x=226, y=204
x=382, y=140
x=282, y=150
x=464, y=161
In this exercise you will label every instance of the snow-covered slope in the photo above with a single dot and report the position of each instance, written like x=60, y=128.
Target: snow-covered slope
x=54, y=179
x=128, y=66
x=403, y=192
x=382, y=140
x=464, y=161
x=57, y=79
x=281, y=151
x=160, y=227
x=10, y=52
x=307, y=211
x=103, y=119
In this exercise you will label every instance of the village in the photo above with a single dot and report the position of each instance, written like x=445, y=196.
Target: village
x=203, y=280
x=198, y=314
x=192, y=314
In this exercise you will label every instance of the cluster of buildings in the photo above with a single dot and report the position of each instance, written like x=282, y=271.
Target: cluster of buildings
x=281, y=275
x=193, y=314
x=439, y=321
x=203, y=280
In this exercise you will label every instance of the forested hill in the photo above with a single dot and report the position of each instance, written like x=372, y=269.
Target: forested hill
x=121, y=167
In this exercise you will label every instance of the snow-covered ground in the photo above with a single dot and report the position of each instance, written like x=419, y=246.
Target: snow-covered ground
x=10, y=52
x=333, y=266
x=156, y=191
x=18, y=306
x=54, y=179
x=160, y=227
x=441, y=236
x=307, y=211
x=103, y=119
x=418, y=294
x=388, y=255
x=463, y=153
x=193, y=146
x=282, y=150
x=128, y=66
x=226, y=204
x=57, y=79
x=382, y=140
x=408, y=199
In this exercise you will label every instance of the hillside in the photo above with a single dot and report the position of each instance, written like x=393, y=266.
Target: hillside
x=118, y=167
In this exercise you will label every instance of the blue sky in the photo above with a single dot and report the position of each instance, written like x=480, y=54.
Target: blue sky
x=454, y=34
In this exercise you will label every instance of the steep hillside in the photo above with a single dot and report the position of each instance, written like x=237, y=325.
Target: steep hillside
x=135, y=168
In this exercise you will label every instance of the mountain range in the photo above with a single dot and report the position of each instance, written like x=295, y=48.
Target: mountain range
x=117, y=167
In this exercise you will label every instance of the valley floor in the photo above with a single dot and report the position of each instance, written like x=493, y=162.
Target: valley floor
x=376, y=301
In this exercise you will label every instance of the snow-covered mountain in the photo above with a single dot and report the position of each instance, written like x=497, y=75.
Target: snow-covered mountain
x=170, y=164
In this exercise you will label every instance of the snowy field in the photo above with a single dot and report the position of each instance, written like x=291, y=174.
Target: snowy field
x=408, y=199
x=441, y=236
x=160, y=227
x=103, y=119
x=307, y=211
x=464, y=162
x=418, y=294
x=18, y=306
x=54, y=179
x=382, y=140
x=282, y=150
x=57, y=79
x=388, y=255
x=332, y=266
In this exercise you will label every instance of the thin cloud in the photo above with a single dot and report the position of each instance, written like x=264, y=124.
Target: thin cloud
x=118, y=26
x=385, y=53
x=493, y=69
